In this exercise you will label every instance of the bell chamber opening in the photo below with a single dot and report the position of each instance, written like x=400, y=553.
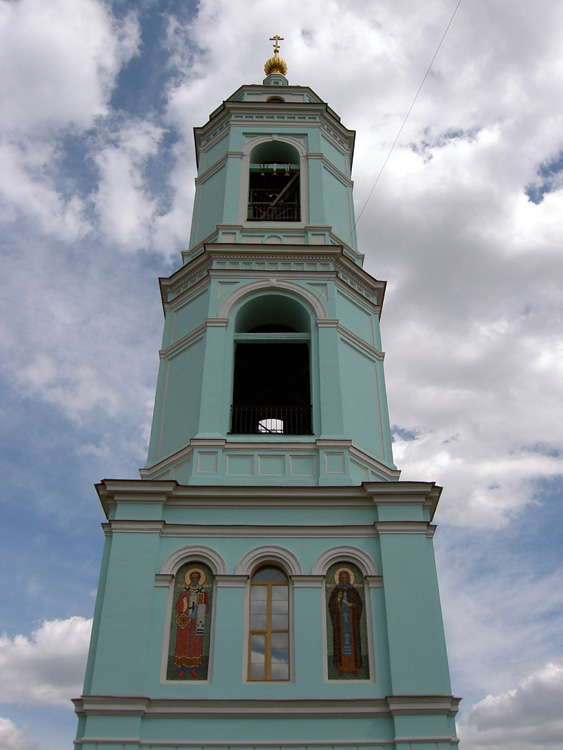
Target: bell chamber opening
x=272, y=374
x=274, y=184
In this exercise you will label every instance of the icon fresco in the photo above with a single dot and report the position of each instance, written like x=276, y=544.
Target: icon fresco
x=347, y=652
x=190, y=626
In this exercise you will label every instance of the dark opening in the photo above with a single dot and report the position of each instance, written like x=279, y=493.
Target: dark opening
x=274, y=194
x=272, y=389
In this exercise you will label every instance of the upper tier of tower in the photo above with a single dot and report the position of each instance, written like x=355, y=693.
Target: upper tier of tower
x=274, y=167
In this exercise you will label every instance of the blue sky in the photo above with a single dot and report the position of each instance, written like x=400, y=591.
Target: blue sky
x=96, y=188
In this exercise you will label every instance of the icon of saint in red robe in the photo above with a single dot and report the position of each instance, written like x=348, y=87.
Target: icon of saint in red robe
x=192, y=608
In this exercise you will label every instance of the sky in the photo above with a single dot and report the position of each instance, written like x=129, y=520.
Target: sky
x=465, y=224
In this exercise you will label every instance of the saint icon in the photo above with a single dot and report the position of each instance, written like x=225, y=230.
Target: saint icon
x=345, y=609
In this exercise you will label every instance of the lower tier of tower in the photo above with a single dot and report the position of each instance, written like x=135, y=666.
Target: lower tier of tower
x=262, y=617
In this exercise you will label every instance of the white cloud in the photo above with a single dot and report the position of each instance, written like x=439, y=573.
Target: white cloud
x=48, y=668
x=12, y=738
x=59, y=62
x=527, y=717
x=123, y=201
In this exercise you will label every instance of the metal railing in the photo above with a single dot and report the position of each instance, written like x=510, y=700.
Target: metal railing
x=273, y=420
x=259, y=211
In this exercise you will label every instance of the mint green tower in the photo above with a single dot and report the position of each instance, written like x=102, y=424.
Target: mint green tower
x=269, y=582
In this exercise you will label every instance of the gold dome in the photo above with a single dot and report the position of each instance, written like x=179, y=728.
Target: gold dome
x=275, y=65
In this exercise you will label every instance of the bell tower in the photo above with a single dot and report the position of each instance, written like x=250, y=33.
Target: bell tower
x=269, y=582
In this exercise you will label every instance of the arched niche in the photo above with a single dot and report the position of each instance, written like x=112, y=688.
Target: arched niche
x=193, y=552
x=269, y=555
x=353, y=554
x=273, y=183
x=279, y=153
x=272, y=366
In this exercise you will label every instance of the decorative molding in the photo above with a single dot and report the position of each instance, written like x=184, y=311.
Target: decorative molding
x=140, y=526
x=190, y=338
x=269, y=554
x=266, y=284
x=374, y=582
x=360, y=343
x=354, y=554
x=169, y=492
x=193, y=552
x=163, y=708
x=307, y=582
x=230, y=581
x=256, y=531
x=403, y=527
x=163, y=579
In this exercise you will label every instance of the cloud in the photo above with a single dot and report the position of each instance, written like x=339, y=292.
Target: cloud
x=48, y=668
x=527, y=717
x=12, y=738
x=503, y=608
x=59, y=63
x=123, y=200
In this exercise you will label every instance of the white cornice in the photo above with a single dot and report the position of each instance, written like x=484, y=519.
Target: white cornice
x=117, y=705
x=348, y=273
x=244, y=531
x=169, y=492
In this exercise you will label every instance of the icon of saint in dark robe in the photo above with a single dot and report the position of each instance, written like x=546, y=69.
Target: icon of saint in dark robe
x=192, y=607
x=345, y=609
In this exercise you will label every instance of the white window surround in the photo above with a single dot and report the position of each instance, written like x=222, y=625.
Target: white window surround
x=353, y=554
x=272, y=285
x=303, y=177
x=198, y=552
x=269, y=555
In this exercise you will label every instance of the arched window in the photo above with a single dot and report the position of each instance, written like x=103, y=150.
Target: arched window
x=274, y=192
x=271, y=386
x=268, y=636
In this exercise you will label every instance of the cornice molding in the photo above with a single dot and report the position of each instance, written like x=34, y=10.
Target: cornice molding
x=347, y=272
x=169, y=492
x=162, y=708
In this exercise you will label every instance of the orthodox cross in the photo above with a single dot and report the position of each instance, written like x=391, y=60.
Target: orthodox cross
x=276, y=39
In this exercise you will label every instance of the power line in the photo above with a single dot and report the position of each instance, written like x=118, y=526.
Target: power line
x=406, y=118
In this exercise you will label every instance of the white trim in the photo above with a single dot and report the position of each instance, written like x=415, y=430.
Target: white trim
x=354, y=554
x=194, y=552
x=275, y=285
x=269, y=554
x=244, y=531
x=140, y=706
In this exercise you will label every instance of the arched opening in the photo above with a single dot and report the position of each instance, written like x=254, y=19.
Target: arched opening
x=272, y=379
x=274, y=191
x=268, y=635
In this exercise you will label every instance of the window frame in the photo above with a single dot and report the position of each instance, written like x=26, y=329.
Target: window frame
x=269, y=630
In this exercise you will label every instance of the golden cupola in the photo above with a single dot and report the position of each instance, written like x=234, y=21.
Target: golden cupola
x=275, y=65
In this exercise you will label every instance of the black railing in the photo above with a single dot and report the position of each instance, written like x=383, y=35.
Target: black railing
x=273, y=420
x=258, y=211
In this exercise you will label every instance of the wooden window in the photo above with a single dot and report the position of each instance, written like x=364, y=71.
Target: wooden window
x=268, y=638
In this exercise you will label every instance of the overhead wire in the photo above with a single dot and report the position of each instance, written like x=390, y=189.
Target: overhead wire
x=406, y=118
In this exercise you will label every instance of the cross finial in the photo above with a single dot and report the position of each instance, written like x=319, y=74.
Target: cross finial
x=275, y=39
